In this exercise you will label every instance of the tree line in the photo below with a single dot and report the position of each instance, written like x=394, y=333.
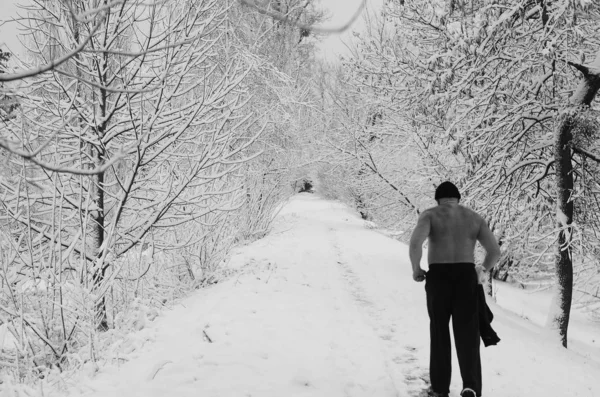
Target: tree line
x=139, y=143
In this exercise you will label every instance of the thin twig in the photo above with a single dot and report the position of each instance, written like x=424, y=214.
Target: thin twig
x=207, y=337
x=53, y=63
x=311, y=28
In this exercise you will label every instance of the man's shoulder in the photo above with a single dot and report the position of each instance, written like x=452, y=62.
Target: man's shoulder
x=473, y=215
x=466, y=211
x=429, y=212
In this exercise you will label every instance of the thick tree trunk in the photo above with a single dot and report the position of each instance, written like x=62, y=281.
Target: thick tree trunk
x=560, y=311
x=564, y=214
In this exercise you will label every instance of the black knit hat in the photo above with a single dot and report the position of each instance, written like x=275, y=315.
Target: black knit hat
x=446, y=190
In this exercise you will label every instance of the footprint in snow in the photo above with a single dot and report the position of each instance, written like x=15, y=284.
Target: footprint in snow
x=417, y=375
x=404, y=359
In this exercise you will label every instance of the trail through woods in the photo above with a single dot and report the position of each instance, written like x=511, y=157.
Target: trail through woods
x=323, y=306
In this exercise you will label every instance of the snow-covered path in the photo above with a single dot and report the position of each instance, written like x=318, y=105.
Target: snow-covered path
x=323, y=306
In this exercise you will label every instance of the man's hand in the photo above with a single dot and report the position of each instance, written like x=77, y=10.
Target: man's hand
x=481, y=275
x=419, y=275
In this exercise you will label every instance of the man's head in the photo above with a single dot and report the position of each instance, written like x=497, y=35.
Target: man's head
x=446, y=190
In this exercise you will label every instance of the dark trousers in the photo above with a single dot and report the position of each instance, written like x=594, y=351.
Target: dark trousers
x=452, y=292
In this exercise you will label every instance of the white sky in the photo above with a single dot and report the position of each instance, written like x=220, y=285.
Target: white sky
x=8, y=30
x=341, y=11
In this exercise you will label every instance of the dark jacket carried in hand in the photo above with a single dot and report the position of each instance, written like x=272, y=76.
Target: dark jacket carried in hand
x=488, y=335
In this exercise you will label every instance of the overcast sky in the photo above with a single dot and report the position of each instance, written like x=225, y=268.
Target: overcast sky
x=8, y=31
x=341, y=12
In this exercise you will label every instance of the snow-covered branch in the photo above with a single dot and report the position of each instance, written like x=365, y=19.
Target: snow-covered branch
x=306, y=27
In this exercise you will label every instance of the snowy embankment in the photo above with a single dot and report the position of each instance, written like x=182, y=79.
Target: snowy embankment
x=322, y=306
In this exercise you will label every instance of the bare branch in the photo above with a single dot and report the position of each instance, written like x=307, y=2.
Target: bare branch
x=582, y=68
x=93, y=12
x=319, y=29
x=33, y=328
x=586, y=153
x=4, y=77
x=30, y=156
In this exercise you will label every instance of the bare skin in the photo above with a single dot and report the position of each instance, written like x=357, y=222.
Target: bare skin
x=453, y=231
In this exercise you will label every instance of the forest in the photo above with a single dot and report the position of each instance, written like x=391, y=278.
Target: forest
x=141, y=141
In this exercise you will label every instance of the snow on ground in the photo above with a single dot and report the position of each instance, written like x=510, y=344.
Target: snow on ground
x=533, y=304
x=323, y=306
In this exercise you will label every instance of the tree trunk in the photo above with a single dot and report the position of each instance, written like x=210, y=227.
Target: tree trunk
x=561, y=303
x=99, y=215
x=558, y=318
x=98, y=242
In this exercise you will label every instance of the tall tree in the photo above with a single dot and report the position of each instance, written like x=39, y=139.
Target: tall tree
x=574, y=132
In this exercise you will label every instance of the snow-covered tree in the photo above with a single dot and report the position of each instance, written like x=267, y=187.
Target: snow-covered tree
x=488, y=81
x=150, y=139
x=140, y=133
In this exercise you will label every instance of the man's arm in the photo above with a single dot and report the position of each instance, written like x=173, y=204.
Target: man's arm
x=418, y=237
x=488, y=241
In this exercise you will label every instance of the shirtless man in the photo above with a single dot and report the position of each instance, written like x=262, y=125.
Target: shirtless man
x=451, y=286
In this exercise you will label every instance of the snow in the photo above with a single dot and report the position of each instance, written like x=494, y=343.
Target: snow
x=533, y=305
x=324, y=306
x=7, y=340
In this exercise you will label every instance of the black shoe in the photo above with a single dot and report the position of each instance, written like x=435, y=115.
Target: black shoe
x=431, y=393
x=468, y=393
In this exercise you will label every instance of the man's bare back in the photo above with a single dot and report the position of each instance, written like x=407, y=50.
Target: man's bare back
x=453, y=231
